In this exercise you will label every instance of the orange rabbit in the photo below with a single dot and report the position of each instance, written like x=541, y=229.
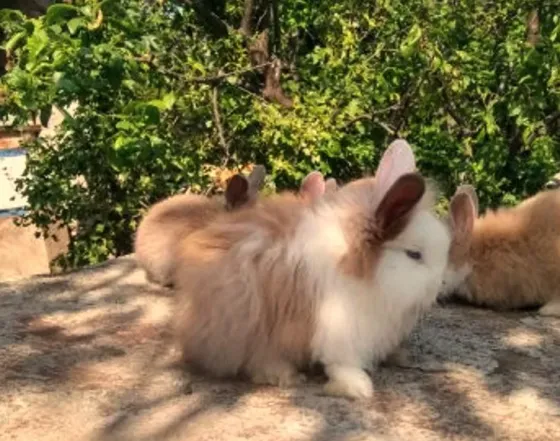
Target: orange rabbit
x=508, y=258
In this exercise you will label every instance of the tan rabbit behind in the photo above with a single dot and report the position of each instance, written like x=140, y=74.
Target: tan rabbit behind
x=178, y=216
x=508, y=258
x=169, y=220
x=265, y=291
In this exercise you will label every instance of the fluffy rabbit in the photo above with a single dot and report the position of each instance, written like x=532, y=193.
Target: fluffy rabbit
x=268, y=290
x=505, y=259
x=169, y=220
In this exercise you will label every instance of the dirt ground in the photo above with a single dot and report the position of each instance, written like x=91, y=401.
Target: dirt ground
x=85, y=357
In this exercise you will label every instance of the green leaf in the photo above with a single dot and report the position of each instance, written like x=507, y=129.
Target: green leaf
x=160, y=104
x=165, y=103
x=60, y=12
x=152, y=114
x=124, y=125
x=11, y=16
x=169, y=100
x=37, y=43
x=65, y=84
x=14, y=41
x=515, y=111
x=409, y=45
x=75, y=24
x=121, y=141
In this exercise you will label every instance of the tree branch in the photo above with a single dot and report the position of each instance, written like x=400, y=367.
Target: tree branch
x=218, y=122
x=452, y=111
x=245, y=27
x=533, y=27
x=221, y=76
x=273, y=89
x=219, y=26
x=372, y=117
x=276, y=49
x=549, y=120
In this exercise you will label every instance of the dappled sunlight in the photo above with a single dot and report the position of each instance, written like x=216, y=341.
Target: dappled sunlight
x=100, y=365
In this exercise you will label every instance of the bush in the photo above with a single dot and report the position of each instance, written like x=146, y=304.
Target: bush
x=167, y=92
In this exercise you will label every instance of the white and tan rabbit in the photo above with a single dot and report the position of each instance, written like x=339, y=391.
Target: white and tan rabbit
x=508, y=258
x=271, y=289
x=169, y=220
x=176, y=217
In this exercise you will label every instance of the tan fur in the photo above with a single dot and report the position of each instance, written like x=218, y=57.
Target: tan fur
x=178, y=216
x=167, y=221
x=514, y=254
x=236, y=294
x=245, y=302
x=174, y=218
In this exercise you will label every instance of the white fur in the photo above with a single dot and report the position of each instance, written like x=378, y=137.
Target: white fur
x=361, y=321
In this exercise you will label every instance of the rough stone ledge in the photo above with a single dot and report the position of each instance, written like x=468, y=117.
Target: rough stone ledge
x=84, y=357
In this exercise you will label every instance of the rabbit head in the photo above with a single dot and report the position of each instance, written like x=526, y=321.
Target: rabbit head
x=463, y=212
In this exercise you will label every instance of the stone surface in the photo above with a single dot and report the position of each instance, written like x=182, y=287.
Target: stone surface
x=85, y=357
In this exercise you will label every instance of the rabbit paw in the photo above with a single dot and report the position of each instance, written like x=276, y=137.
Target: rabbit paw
x=279, y=374
x=350, y=382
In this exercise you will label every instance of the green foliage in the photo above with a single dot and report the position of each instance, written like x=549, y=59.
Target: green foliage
x=458, y=80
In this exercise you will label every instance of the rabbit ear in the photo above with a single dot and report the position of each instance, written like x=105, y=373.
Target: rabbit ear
x=313, y=185
x=331, y=185
x=463, y=210
x=256, y=179
x=471, y=192
x=393, y=213
x=397, y=161
x=237, y=191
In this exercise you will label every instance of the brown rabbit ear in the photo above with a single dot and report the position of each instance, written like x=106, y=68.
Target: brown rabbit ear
x=256, y=179
x=463, y=213
x=313, y=186
x=393, y=213
x=237, y=191
x=331, y=185
x=471, y=192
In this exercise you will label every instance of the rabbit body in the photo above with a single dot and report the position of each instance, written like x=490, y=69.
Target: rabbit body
x=165, y=223
x=511, y=257
x=341, y=280
x=177, y=216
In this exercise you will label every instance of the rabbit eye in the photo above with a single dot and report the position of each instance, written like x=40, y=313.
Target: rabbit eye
x=414, y=255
